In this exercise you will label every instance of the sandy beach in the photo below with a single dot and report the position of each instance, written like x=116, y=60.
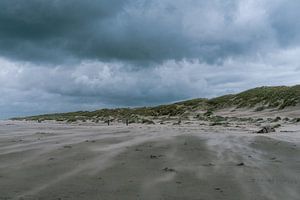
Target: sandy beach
x=71, y=161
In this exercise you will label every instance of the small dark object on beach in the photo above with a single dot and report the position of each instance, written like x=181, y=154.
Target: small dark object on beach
x=209, y=165
x=266, y=129
x=169, y=169
x=219, y=189
x=241, y=164
x=138, y=149
x=153, y=157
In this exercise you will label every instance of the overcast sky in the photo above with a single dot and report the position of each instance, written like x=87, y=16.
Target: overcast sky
x=67, y=55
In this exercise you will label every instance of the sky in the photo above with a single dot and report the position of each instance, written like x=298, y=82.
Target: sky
x=68, y=55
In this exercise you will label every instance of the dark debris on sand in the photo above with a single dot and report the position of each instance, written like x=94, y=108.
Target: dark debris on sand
x=169, y=169
x=266, y=129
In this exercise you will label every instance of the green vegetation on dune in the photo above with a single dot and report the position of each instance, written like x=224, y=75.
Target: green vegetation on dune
x=263, y=97
x=258, y=99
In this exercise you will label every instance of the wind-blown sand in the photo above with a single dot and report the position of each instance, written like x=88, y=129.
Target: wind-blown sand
x=65, y=161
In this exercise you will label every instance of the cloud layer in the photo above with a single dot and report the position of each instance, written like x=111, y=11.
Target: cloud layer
x=68, y=55
x=145, y=31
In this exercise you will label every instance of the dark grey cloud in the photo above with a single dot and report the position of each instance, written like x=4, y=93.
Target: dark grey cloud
x=141, y=31
x=48, y=30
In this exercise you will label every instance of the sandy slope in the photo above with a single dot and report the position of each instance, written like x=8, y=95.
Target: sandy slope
x=61, y=161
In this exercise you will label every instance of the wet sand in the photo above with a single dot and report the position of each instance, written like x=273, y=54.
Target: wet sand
x=65, y=161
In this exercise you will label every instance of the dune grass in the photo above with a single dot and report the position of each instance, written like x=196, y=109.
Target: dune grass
x=258, y=98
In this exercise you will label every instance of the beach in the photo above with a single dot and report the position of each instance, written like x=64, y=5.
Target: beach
x=60, y=161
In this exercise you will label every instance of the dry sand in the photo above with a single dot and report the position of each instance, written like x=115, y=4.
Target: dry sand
x=65, y=161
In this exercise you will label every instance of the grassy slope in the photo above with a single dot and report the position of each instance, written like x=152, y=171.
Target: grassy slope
x=265, y=97
x=258, y=98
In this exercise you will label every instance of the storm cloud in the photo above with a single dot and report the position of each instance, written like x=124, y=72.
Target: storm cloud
x=144, y=31
x=73, y=54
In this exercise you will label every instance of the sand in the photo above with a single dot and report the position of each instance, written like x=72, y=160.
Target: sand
x=84, y=161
